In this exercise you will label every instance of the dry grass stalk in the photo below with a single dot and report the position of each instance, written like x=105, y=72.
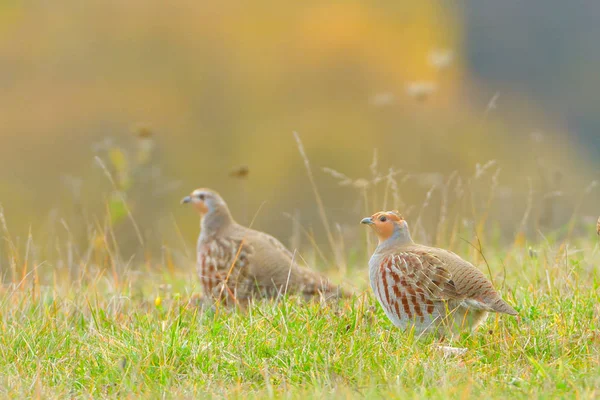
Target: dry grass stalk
x=308, y=235
x=321, y=207
x=392, y=185
x=573, y=220
x=12, y=253
x=418, y=221
x=461, y=200
x=367, y=192
x=488, y=205
x=441, y=226
x=122, y=198
x=519, y=239
x=375, y=178
x=520, y=236
x=342, y=248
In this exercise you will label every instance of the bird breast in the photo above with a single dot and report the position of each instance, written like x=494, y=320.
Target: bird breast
x=219, y=258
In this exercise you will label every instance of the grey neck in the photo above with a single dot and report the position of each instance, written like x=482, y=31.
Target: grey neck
x=400, y=237
x=215, y=221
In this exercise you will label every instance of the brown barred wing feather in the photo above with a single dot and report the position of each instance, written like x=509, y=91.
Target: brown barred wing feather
x=428, y=272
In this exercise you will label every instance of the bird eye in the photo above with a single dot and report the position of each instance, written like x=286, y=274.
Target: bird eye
x=382, y=218
x=201, y=196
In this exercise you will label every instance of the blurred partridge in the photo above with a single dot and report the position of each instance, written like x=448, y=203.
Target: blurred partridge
x=236, y=263
x=429, y=288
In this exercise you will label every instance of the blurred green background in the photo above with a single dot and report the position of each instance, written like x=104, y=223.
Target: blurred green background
x=175, y=95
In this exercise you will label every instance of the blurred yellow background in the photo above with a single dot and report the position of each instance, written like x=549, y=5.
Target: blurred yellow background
x=224, y=84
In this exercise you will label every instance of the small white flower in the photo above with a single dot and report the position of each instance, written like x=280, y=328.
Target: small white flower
x=441, y=58
x=537, y=136
x=420, y=90
x=382, y=99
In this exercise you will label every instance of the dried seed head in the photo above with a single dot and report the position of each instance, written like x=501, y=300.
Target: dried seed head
x=360, y=183
x=142, y=131
x=382, y=99
x=241, y=171
x=420, y=90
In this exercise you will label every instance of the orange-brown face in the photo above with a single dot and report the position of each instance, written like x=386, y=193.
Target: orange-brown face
x=383, y=223
x=199, y=199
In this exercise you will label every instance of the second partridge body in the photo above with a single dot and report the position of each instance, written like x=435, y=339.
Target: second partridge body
x=426, y=287
x=236, y=263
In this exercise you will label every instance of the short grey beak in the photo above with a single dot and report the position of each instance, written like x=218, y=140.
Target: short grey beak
x=186, y=199
x=367, y=221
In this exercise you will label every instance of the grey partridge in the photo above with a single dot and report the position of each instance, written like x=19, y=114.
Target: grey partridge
x=236, y=263
x=430, y=289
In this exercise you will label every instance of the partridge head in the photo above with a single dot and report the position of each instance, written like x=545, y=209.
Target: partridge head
x=206, y=201
x=427, y=288
x=213, y=211
x=389, y=226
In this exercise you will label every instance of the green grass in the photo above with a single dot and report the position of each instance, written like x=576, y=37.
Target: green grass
x=110, y=339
